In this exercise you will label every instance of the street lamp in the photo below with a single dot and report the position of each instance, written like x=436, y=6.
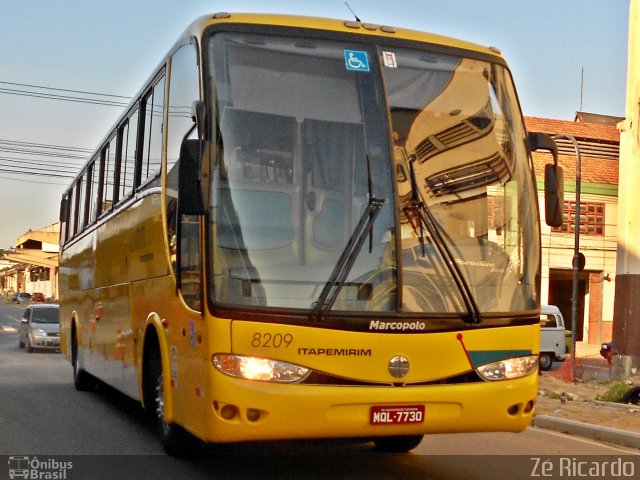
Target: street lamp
x=578, y=262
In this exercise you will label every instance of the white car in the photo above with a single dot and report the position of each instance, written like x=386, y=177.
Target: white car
x=553, y=343
x=40, y=328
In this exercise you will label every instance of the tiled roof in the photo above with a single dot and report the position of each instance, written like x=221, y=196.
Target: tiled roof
x=580, y=130
x=594, y=169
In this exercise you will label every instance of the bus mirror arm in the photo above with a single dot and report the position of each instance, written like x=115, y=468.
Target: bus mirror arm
x=198, y=110
x=193, y=183
x=553, y=178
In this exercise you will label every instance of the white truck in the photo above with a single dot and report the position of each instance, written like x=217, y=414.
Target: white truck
x=553, y=344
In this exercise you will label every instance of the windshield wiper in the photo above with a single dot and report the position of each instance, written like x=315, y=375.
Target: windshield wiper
x=426, y=218
x=350, y=253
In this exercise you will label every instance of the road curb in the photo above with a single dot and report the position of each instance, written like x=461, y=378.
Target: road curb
x=618, y=406
x=595, y=432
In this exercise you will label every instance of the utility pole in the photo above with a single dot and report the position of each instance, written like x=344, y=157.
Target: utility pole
x=578, y=258
x=626, y=317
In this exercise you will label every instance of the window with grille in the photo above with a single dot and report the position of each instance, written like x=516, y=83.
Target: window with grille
x=591, y=218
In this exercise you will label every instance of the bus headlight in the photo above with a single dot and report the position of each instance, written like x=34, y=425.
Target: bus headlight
x=510, y=368
x=256, y=368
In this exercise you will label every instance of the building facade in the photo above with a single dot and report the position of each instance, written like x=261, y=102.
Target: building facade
x=32, y=266
x=599, y=143
x=627, y=309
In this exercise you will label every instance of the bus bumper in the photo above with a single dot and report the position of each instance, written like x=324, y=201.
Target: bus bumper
x=248, y=410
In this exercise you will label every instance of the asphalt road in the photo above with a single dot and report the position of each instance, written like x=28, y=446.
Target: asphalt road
x=103, y=435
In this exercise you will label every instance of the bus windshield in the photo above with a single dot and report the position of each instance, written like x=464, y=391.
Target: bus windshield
x=313, y=133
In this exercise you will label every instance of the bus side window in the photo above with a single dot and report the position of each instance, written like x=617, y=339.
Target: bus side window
x=109, y=161
x=70, y=230
x=184, y=89
x=128, y=138
x=82, y=189
x=95, y=190
x=153, y=111
x=86, y=214
x=64, y=218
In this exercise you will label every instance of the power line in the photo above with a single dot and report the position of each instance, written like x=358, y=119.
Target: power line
x=63, y=90
x=40, y=173
x=66, y=98
x=20, y=172
x=183, y=111
x=32, y=165
x=40, y=164
x=43, y=145
x=33, y=181
x=42, y=161
x=44, y=154
x=36, y=166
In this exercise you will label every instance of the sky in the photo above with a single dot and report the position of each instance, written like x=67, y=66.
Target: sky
x=112, y=46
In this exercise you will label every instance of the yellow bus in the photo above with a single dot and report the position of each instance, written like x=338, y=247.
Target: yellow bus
x=310, y=228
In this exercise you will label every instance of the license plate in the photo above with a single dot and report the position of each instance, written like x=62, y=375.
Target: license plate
x=396, y=415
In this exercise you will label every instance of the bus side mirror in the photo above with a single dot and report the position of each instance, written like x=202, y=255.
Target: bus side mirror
x=553, y=195
x=194, y=173
x=553, y=179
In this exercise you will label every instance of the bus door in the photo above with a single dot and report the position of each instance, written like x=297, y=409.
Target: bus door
x=187, y=346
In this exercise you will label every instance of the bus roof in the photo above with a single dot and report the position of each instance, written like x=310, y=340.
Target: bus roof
x=336, y=25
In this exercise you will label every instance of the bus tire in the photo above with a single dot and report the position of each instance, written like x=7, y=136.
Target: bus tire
x=546, y=360
x=82, y=380
x=171, y=435
x=400, y=444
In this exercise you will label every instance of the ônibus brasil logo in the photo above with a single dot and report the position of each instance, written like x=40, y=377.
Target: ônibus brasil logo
x=38, y=469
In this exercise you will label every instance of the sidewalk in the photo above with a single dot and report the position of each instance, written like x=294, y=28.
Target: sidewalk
x=622, y=438
x=584, y=349
x=589, y=366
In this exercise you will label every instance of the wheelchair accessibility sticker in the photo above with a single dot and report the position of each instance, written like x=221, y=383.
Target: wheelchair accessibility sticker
x=356, y=60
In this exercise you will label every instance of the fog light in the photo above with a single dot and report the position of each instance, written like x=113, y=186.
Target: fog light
x=529, y=406
x=253, y=415
x=228, y=412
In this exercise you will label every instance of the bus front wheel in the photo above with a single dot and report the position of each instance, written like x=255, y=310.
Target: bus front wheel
x=400, y=444
x=171, y=435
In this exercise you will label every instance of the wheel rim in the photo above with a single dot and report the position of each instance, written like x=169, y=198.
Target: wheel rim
x=160, y=405
x=545, y=361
